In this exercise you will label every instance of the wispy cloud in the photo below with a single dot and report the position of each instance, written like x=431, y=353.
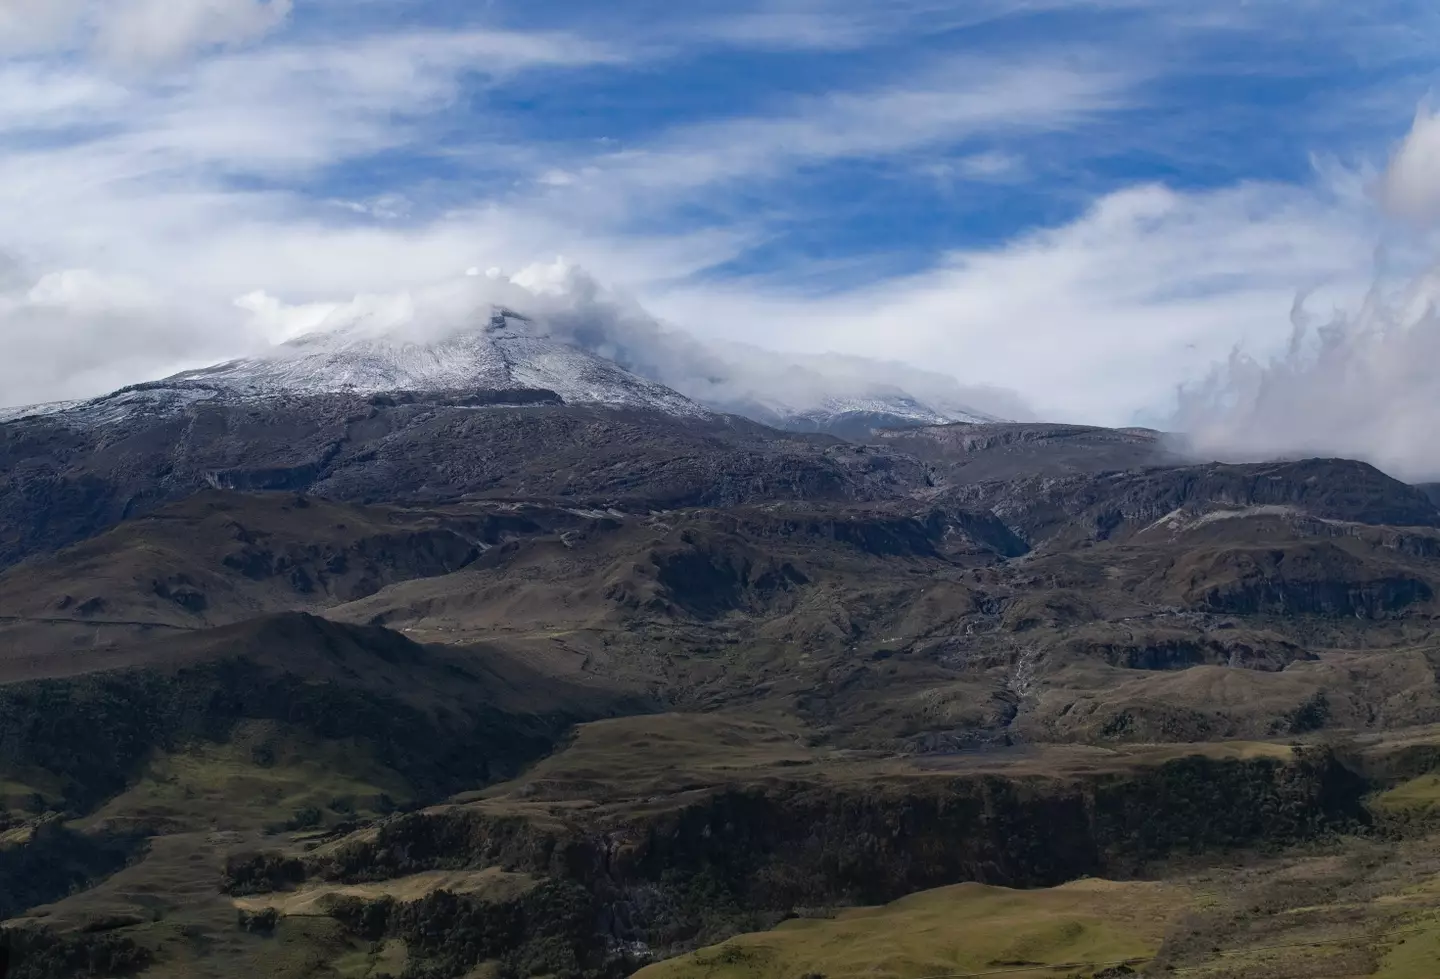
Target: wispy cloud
x=289, y=107
x=88, y=163
x=953, y=112
x=944, y=106
x=1086, y=200
x=149, y=32
x=840, y=25
x=192, y=185
x=137, y=33
x=1096, y=320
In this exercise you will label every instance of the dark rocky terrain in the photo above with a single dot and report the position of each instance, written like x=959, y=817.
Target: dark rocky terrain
x=623, y=683
x=64, y=482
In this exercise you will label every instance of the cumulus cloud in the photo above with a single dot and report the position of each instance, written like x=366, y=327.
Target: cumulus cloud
x=1410, y=188
x=1362, y=385
x=1360, y=382
x=563, y=301
x=75, y=333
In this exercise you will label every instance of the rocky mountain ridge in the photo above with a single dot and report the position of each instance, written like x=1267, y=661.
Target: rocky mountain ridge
x=509, y=352
x=490, y=655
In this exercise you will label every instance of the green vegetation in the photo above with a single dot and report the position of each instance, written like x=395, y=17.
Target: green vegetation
x=491, y=884
x=384, y=958
x=778, y=843
x=54, y=860
x=1414, y=952
x=549, y=931
x=304, y=783
x=127, y=790
x=968, y=928
x=1421, y=794
x=40, y=954
x=96, y=733
x=1197, y=804
x=1347, y=909
x=22, y=797
x=904, y=724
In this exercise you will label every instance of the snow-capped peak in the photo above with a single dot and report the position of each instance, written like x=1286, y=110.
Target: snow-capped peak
x=550, y=327
x=507, y=352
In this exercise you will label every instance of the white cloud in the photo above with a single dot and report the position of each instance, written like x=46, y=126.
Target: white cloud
x=1096, y=320
x=36, y=97
x=837, y=25
x=951, y=173
x=1360, y=381
x=805, y=24
x=1362, y=385
x=566, y=302
x=1090, y=320
x=135, y=179
x=281, y=109
x=150, y=32
x=1410, y=188
x=926, y=109
x=137, y=33
x=141, y=176
x=77, y=332
x=31, y=25
x=138, y=179
x=198, y=185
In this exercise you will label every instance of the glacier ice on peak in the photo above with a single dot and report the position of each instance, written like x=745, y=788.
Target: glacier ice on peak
x=552, y=327
x=503, y=354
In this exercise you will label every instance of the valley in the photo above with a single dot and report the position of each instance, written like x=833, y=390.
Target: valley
x=359, y=685
x=739, y=489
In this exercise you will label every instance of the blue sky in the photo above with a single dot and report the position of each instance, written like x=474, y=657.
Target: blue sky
x=1087, y=201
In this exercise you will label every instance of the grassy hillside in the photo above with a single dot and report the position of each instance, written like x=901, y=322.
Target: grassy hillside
x=1084, y=926
x=1179, y=715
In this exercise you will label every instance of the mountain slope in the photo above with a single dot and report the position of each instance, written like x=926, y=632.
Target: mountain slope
x=996, y=451
x=61, y=482
x=220, y=558
x=583, y=350
x=975, y=640
x=858, y=417
x=508, y=353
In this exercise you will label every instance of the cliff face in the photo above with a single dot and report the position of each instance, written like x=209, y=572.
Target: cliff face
x=738, y=858
x=803, y=843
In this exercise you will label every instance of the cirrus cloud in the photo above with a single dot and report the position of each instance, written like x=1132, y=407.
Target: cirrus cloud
x=1079, y=199
x=137, y=33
